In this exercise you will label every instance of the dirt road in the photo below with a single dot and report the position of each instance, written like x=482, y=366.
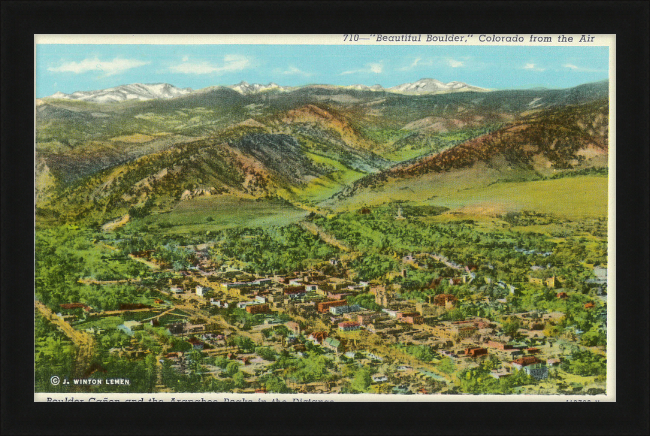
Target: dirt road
x=326, y=237
x=84, y=342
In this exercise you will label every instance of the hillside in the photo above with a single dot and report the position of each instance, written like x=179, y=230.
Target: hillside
x=538, y=145
x=551, y=140
x=98, y=161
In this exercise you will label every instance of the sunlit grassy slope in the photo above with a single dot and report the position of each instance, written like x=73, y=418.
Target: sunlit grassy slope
x=404, y=154
x=571, y=197
x=325, y=186
x=213, y=213
x=575, y=197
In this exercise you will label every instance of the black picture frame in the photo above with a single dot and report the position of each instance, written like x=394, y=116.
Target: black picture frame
x=628, y=20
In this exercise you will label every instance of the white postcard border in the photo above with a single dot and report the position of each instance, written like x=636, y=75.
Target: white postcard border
x=475, y=40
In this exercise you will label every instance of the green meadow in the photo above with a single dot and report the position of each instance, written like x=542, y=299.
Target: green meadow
x=324, y=187
x=221, y=212
x=571, y=197
x=576, y=197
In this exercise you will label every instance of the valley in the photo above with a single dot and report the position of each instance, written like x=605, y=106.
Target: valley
x=323, y=239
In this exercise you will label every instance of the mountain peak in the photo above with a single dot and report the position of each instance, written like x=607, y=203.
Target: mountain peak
x=360, y=87
x=245, y=88
x=58, y=94
x=433, y=86
x=134, y=91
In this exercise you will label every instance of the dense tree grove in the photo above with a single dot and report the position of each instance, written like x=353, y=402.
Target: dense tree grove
x=275, y=250
x=584, y=363
x=64, y=255
x=479, y=381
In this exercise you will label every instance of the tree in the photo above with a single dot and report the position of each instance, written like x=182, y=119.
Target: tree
x=511, y=327
x=447, y=365
x=169, y=374
x=151, y=372
x=552, y=331
x=275, y=384
x=221, y=362
x=244, y=344
x=239, y=380
x=195, y=361
x=232, y=368
x=361, y=380
x=267, y=353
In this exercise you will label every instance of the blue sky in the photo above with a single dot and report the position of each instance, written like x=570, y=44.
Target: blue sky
x=70, y=68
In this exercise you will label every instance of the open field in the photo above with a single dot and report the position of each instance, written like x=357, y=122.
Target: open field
x=578, y=197
x=406, y=154
x=575, y=197
x=134, y=138
x=215, y=213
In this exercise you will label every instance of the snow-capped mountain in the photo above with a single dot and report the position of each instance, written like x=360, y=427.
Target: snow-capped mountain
x=432, y=86
x=366, y=88
x=422, y=86
x=135, y=91
x=142, y=92
x=253, y=88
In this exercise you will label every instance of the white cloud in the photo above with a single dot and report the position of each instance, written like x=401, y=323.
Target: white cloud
x=534, y=67
x=454, y=63
x=230, y=63
x=116, y=66
x=376, y=68
x=414, y=63
x=417, y=62
x=582, y=69
x=186, y=58
x=295, y=71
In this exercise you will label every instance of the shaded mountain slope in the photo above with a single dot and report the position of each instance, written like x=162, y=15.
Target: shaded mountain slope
x=538, y=144
x=279, y=153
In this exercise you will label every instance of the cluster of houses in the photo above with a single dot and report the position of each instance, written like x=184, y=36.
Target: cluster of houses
x=316, y=294
x=320, y=296
x=531, y=252
x=132, y=351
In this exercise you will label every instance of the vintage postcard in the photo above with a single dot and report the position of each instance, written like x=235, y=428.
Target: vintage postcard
x=324, y=218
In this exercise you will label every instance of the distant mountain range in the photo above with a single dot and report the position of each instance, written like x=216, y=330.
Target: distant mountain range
x=136, y=91
x=159, y=91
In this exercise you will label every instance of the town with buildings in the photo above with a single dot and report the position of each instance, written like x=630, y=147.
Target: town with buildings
x=323, y=330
